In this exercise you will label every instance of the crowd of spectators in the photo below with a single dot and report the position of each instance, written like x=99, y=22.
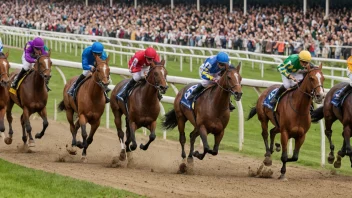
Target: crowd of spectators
x=271, y=30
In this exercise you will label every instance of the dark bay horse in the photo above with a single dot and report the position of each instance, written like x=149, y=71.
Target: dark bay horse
x=89, y=105
x=4, y=94
x=142, y=107
x=32, y=96
x=211, y=113
x=292, y=115
x=331, y=113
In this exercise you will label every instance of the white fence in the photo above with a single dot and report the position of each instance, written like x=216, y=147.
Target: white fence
x=181, y=80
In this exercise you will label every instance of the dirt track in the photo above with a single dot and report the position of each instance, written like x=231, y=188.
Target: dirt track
x=154, y=171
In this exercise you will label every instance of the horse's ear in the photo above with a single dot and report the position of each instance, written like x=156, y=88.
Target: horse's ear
x=107, y=59
x=162, y=62
x=49, y=53
x=7, y=54
x=238, y=68
x=321, y=66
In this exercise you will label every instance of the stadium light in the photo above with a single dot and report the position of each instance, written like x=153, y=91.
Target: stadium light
x=304, y=7
x=198, y=5
x=327, y=8
x=231, y=5
x=244, y=7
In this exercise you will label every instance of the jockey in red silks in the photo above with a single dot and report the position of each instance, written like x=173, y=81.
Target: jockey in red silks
x=139, y=66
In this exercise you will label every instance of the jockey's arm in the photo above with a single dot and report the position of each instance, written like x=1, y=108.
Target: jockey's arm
x=206, y=74
x=282, y=68
x=85, y=63
x=27, y=54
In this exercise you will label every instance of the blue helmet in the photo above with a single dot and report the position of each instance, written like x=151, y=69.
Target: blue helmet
x=222, y=57
x=97, y=47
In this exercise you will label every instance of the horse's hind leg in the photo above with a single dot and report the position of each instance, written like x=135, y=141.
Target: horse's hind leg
x=26, y=114
x=8, y=140
x=181, y=129
x=152, y=136
x=43, y=115
x=328, y=133
x=340, y=154
x=203, y=135
x=24, y=135
x=73, y=128
x=93, y=129
x=83, y=144
x=265, y=135
x=347, y=136
x=2, y=116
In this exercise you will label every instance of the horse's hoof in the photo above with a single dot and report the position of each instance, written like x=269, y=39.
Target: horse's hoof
x=282, y=178
x=38, y=136
x=79, y=144
x=337, y=163
x=195, y=153
x=31, y=143
x=8, y=140
x=278, y=147
x=72, y=150
x=142, y=147
x=84, y=159
x=133, y=147
x=190, y=160
x=331, y=159
x=267, y=161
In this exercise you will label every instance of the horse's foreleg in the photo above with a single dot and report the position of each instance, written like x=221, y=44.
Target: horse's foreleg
x=152, y=136
x=2, y=116
x=43, y=115
x=73, y=128
x=328, y=133
x=284, y=140
x=203, y=135
x=298, y=143
x=132, y=137
x=265, y=136
x=120, y=133
x=340, y=154
x=218, y=138
x=273, y=133
x=93, y=129
x=26, y=114
x=24, y=135
x=193, y=136
x=82, y=123
x=8, y=140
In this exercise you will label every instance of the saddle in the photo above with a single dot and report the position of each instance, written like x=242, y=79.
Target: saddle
x=268, y=98
x=189, y=103
x=139, y=83
x=78, y=86
x=14, y=91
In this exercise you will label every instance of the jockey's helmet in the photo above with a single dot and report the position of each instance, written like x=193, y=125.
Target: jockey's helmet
x=305, y=56
x=97, y=47
x=222, y=57
x=38, y=42
x=150, y=53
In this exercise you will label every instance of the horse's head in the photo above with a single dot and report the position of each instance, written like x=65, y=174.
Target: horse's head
x=157, y=76
x=231, y=81
x=4, y=69
x=43, y=66
x=315, y=87
x=102, y=72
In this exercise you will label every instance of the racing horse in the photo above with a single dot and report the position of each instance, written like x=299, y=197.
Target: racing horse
x=4, y=94
x=292, y=116
x=88, y=103
x=211, y=112
x=32, y=96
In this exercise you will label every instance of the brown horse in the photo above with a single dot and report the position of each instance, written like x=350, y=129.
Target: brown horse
x=4, y=94
x=89, y=105
x=211, y=112
x=142, y=107
x=331, y=114
x=31, y=96
x=292, y=118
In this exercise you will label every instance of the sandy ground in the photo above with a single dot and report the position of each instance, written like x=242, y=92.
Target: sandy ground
x=154, y=172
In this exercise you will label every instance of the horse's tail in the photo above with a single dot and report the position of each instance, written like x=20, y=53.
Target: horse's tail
x=317, y=114
x=252, y=113
x=170, y=120
x=61, y=106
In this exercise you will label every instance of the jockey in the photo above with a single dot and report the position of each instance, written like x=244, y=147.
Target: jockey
x=290, y=71
x=349, y=74
x=32, y=50
x=209, y=73
x=1, y=46
x=139, y=66
x=88, y=60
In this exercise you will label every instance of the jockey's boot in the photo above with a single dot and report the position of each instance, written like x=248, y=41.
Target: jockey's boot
x=18, y=78
x=343, y=92
x=129, y=85
x=72, y=89
x=281, y=90
x=196, y=91
x=231, y=106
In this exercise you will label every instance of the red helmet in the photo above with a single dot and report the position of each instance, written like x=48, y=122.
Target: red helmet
x=150, y=53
